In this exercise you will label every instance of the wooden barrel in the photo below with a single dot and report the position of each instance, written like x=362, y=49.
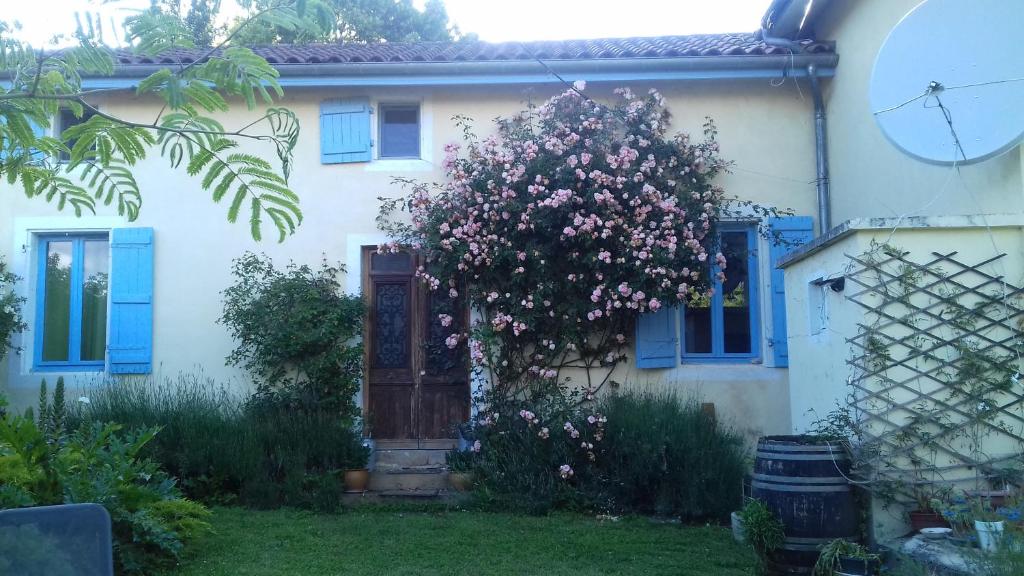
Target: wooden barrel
x=803, y=482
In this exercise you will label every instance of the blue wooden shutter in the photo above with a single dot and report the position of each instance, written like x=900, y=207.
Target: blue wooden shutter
x=345, y=131
x=787, y=234
x=38, y=131
x=130, y=342
x=657, y=339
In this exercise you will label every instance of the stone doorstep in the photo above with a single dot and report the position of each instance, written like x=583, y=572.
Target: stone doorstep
x=424, y=478
x=374, y=497
x=407, y=458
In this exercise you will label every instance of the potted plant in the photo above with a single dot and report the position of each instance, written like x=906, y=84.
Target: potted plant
x=845, y=558
x=761, y=529
x=988, y=524
x=957, y=512
x=356, y=474
x=926, y=515
x=460, y=469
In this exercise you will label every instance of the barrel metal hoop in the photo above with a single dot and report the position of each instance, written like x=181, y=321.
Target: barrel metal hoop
x=819, y=457
x=784, y=448
x=801, y=479
x=801, y=488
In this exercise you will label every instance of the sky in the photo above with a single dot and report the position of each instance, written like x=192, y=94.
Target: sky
x=491, y=20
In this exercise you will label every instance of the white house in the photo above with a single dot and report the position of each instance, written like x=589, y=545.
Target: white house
x=795, y=122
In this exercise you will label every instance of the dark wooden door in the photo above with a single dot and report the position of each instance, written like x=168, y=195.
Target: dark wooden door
x=418, y=388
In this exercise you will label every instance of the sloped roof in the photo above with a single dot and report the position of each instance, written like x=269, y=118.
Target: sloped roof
x=657, y=47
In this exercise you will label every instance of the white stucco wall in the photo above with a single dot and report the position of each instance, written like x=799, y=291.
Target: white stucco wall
x=764, y=129
x=869, y=176
x=818, y=334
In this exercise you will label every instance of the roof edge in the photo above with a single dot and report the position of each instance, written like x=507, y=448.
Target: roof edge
x=520, y=71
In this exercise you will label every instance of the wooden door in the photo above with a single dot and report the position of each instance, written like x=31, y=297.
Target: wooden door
x=418, y=388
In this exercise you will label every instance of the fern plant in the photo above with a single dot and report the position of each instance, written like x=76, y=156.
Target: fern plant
x=102, y=151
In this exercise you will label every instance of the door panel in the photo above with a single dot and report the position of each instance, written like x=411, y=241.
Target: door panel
x=417, y=386
x=391, y=411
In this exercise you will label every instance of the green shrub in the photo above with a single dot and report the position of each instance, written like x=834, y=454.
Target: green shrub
x=45, y=465
x=294, y=330
x=631, y=452
x=665, y=455
x=761, y=530
x=11, y=321
x=225, y=450
x=535, y=453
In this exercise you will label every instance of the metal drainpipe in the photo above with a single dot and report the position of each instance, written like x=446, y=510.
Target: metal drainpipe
x=821, y=153
x=820, y=134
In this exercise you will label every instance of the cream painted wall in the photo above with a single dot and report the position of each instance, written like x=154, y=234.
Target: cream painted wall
x=818, y=333
x=869, y=176
x=766, y=130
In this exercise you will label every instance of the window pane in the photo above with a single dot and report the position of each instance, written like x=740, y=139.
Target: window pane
x=67, y=120
x=400, y=133
x=735, y=293
x=697, y=320
x=391, y=262
x=391, y=328
x=57, y=302
x=94, y=300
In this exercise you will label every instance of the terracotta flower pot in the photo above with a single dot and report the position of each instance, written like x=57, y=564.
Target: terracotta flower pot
x=461, y=481
x=357, y=480
x=926, y=519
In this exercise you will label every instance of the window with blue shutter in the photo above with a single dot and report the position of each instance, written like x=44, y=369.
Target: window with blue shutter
x=130, y=348
x=657, y=339
x=345, y=131
x=725, y=326
x=70, y=331
x=787, y=233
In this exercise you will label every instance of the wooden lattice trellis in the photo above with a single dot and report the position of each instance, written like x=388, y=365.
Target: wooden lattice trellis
x=936, y=389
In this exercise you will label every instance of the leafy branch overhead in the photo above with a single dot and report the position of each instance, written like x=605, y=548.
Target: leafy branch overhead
x=91, y=162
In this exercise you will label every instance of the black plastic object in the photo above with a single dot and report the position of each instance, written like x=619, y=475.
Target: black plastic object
x=66, y=540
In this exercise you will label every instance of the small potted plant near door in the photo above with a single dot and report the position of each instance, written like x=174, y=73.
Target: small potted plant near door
x=844, y=558
x=356, y=474
x=460, y=469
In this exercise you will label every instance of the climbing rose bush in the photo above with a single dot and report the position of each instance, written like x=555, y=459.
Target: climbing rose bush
x=563, y=227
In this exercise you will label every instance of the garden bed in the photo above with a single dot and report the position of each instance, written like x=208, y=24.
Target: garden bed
x=388, y=541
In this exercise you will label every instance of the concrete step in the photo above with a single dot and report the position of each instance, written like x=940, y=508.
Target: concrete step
x=423, y=478
x=408, y=458
x=412, y=494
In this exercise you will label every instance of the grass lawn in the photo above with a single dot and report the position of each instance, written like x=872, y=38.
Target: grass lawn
x=381, y=541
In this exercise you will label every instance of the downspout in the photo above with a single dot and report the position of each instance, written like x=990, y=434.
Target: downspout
x=820, y=133
x=821, y=153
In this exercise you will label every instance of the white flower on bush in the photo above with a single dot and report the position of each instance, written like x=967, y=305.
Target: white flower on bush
x=84, y=400
x=544, y=433
x=476, y=446
x=452, y=341
x=565, y=471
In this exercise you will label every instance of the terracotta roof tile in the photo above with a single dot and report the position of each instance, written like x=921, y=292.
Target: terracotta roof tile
x=695, y=45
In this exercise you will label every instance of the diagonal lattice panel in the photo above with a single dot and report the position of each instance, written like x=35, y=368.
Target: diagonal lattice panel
x=936, y=387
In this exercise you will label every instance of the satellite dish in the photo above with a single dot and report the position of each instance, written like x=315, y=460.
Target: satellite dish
x=948, y=84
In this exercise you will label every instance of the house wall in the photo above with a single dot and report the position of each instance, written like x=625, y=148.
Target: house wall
x=821, y=321
x=869, y=176
x=765, y=129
